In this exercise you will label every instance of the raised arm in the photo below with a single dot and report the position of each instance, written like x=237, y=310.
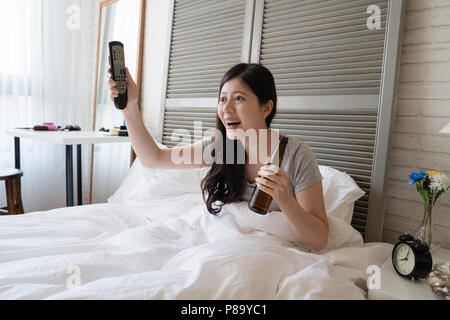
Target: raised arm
x=148, y=152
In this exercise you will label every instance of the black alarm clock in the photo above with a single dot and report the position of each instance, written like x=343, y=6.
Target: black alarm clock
x=411, y=257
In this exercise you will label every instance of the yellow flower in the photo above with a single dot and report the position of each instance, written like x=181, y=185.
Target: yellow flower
x=432, y=173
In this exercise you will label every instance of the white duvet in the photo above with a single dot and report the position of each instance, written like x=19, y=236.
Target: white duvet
x=172, y=248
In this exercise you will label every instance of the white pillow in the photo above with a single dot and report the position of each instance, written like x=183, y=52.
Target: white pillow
x=143, y=183
x=340, y=192
x=339, y=189
x=164, y=183
x=133, y=178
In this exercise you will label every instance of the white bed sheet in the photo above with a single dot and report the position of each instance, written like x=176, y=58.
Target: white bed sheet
x=169, y=249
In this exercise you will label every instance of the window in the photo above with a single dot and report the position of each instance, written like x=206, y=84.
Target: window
x=15, y=56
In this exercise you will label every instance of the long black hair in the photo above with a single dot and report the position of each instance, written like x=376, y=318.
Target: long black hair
x=226, y=183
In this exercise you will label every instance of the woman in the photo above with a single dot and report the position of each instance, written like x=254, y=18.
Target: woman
x=247, y=102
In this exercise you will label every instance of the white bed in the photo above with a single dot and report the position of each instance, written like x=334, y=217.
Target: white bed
x=154, y=239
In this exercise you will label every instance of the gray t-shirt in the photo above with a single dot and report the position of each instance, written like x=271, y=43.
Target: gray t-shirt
x=300, y=164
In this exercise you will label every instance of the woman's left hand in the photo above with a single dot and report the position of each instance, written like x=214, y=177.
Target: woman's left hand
x=274, y=181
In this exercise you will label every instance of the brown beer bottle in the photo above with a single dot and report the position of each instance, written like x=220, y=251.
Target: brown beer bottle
x=260, y=201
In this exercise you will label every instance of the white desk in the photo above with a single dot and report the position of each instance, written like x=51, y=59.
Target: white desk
x=67, y=138
x=394, y=287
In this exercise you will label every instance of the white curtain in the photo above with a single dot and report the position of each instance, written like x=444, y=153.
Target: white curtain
x=46, y=75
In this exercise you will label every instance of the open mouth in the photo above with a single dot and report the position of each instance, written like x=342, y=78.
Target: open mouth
x=232, y=124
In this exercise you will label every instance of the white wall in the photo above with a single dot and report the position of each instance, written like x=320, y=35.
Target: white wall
x=155, y=41
x=423, y=108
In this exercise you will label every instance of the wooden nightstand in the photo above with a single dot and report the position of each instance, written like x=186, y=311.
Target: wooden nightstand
x=394, y=287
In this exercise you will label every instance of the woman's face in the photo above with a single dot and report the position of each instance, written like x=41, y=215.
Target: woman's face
x=239, y=108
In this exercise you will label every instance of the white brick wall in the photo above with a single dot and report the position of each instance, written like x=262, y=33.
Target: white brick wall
x=423, y=108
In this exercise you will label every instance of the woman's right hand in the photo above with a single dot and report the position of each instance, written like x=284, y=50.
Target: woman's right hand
x=131, y=87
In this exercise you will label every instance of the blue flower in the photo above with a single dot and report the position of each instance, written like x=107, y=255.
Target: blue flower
x=416, y=176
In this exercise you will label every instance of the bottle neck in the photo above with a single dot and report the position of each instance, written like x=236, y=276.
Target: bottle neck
x=278, y=155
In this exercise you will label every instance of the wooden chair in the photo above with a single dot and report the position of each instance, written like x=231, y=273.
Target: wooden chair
x=13, y=192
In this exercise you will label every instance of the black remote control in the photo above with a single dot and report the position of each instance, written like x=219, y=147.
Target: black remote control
x=118, y=74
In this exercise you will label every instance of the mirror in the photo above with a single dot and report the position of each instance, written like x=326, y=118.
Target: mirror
x=119, y=20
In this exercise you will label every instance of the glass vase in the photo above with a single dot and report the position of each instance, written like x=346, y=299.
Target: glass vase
x=425, y=231
x=426, y=227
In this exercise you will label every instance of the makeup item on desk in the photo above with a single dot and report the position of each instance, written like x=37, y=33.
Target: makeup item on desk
x=50, y=126
x=71, y=127
x=106, y=132
x=46, y=126
x=114, y=131
x=123, y=132
x=40, y=128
